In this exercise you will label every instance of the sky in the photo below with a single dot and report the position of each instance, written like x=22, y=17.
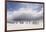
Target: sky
x=14, y=10
x=16, y=6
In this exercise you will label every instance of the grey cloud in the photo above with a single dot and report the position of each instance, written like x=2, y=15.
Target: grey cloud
x=25, y=17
